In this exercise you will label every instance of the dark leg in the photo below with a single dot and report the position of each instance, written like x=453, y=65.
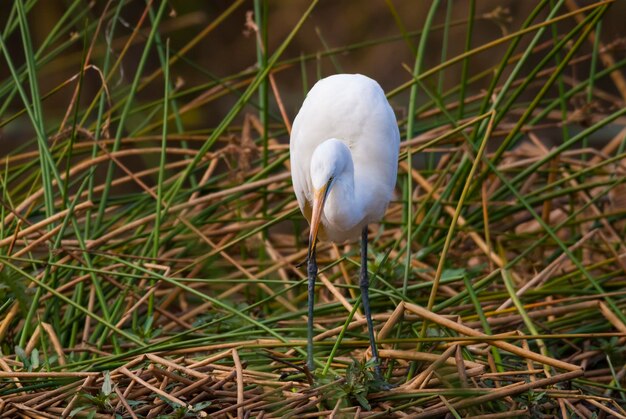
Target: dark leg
x=364, y=285
x=312, y=273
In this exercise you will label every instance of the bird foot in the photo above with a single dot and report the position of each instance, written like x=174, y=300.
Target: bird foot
x=382, y=385
x=379, y=383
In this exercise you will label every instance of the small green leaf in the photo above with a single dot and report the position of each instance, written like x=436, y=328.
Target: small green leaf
x=201, y=406
x=76, y=410
x=362, y=401
x=34, y=359
x=148, y=325
x=21, y=355
x=107, y=387
x=448, y=274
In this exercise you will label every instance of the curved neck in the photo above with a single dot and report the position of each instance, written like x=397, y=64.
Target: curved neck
x=344, y=206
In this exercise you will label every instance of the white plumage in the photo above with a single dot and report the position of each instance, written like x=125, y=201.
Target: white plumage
x=350, y=109
x=344, y=162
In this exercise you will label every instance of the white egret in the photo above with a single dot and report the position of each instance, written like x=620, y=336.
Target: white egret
x=344, y=162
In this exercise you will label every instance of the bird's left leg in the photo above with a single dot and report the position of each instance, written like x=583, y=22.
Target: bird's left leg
x=312, y=274
x=364, y=285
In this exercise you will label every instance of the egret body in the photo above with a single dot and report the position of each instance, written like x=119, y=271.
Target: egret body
x=344, y=162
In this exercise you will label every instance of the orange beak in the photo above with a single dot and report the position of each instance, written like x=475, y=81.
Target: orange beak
x=319, y=198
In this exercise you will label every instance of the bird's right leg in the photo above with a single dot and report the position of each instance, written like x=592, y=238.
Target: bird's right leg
x=364, y=286
x=312, y=273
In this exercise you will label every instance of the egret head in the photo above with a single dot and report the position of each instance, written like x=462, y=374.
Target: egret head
x=329, y=161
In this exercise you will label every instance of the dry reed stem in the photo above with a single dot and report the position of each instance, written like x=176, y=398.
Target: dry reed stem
x=548, y=270
x=423, y=356
x=504, y=415
x=606, y=409
x=422, y=378
x=533, y=314
x=396, y=316
x=503, y=392
x=48, y=374
x=442, y=321
x=152, y=388
x=337, y=294
x=32, y=341
x=86, y=382
x=461, y=221
x=176, y=366
x=124, y=403
x=607, y=59
x=239, y=375
x=39, y=227
x=56, y=344
x=6, y=368
x=572, y=181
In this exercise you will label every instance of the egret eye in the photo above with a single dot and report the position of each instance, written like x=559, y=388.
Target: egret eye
x=330, y=184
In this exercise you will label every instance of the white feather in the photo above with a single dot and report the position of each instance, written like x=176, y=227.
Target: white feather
x=351, y=109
